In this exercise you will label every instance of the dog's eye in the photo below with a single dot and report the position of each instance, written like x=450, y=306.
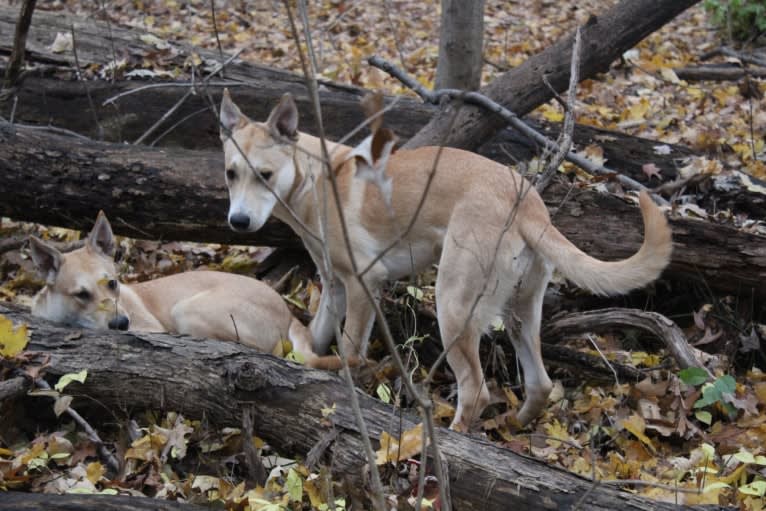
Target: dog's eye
x=83, y=295
x=112, y=284
x=231, y=175
x=266, y=175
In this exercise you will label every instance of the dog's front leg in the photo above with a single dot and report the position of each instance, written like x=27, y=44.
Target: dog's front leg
x=332, y=304
x=360, y=315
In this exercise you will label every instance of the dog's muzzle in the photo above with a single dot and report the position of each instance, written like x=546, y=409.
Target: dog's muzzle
x=239, y=221
x=119, y=322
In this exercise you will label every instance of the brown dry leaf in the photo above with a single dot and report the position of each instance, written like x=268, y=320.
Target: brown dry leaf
x=392, y=449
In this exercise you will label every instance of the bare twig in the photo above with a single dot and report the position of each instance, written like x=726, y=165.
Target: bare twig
x=565, y=137
x=205, y=81
x=85, y=85
x=52, y=129
x=510, y=117
x=377, y=486
x=108, y=457
x=164, y=117
x=183, y=99
x=217, y=38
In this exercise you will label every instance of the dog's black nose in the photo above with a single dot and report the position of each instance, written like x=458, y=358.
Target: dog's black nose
x=119, y=322
x=239, y=221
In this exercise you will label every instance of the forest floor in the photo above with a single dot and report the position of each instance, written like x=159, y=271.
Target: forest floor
x=686, y=442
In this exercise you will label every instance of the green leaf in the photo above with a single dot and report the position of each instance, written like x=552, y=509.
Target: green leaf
x=69, y=378
x=756, y=488
x=415, y=292
x=384, y=393
x=294, y=485
x=704, y=417
x=744, y=457
x=693, y=376
x=726, y=384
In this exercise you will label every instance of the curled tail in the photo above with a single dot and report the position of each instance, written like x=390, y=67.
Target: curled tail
x=607, y=277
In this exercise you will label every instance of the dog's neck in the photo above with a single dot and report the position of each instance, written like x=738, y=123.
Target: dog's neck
x=310, y=176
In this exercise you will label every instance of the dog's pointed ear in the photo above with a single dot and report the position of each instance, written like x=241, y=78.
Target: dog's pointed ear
x=283, y=120
x=371, y=158
x=101, y=238
x=231, y=117
x=47, y=259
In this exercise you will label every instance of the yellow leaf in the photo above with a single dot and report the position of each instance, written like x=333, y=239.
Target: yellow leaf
x=409, y=444
x=12, y=340
x=551, y=113
x=69, y=378
x=556, y=430
x=95, y=471
x=635, y=424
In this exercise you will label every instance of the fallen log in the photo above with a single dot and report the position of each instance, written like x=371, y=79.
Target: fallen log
x=19, y=501
x=217, y=379
x=178, y=194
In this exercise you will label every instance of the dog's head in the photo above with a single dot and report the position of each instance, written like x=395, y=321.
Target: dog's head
x=81, y=286
x=260, y=163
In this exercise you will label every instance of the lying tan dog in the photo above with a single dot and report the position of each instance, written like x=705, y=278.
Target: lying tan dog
x=483, y=223
x=81, y=288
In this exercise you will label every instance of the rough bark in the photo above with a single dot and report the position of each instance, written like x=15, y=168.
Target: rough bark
x=604, y=38
x=461, y=38
x=179, y=194
x=215, y=380
x=19, y=501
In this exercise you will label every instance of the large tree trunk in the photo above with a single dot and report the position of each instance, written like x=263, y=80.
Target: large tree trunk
x=604, y=38
x=461, y=39
x=179, y=194
x=218, y=380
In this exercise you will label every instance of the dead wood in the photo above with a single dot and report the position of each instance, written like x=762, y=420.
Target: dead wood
x=178, y=194
x=19, y=501
x=14, y=387
x=718, y=73
x=599, y=320
x=219, y=380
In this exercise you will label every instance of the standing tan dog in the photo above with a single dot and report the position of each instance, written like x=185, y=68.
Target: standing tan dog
x=482, y=222
x=81, y=288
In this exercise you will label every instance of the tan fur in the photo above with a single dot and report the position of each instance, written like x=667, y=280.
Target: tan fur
x=487, y=228
x=204, y=304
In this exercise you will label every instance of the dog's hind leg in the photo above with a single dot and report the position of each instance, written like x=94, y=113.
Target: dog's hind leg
x=463, y=315
x=524, y=331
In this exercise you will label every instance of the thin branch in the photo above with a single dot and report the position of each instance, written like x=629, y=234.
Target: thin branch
x=510, y=117
x=164, y=117
x=377, y=486
x=108, y=457
x=206, y=81
x=565, y=137
x=85, y=85
x=217, y=38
